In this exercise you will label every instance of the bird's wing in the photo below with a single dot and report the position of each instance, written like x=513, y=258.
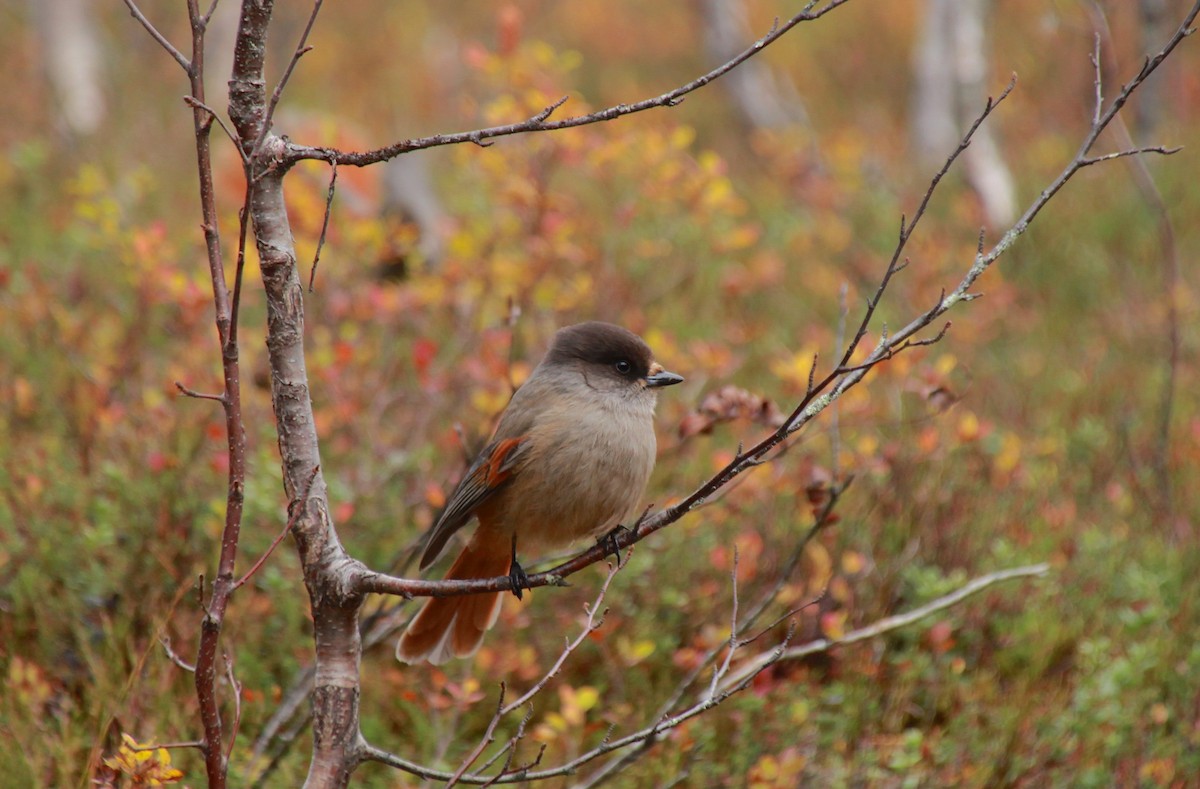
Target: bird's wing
x=494, y=466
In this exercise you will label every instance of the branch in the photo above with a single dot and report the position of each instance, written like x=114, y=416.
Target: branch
x=205, y=670
x=174, y=656
x=312, y=277
x=749, y=670
x=195, y=103
x=186, y=392
x=237, y=704
x=168, y=746
x=137, y=14
x=540, y=122
x=296, y=508
x=1088, y=161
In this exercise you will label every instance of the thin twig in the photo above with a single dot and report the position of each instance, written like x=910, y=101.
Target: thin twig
x=168, y=745
x=212, y=9
x=733, y=642
x=1088, y=161
x=646, y=735
x=174, y=656
x=324, y=226
x=237, y=704
x=296, y=508
x=835, y=433
x=137, y=14
x=235, y=304
x=196, y=104
x=220, y=398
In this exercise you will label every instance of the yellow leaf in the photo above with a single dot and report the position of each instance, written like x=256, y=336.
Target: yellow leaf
x=489, y=402
x=586, y=697
x=968, y=426
x=867, y=445
x=144, y=766
x=634, y=652
x=682, y=137
x=1010, y=453
x=822, y=563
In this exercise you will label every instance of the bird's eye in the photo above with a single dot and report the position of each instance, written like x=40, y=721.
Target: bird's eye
x=623, y=367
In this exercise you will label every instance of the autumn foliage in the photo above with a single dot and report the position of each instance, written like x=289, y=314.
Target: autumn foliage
x=1027, y=435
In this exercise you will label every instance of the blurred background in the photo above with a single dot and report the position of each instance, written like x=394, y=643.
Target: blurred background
x=1056, y=422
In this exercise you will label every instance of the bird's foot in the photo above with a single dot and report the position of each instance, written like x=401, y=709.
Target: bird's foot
x=516, y=573
x=609, y=542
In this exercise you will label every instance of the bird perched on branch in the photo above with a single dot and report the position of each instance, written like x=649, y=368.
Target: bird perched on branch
x=570, y=459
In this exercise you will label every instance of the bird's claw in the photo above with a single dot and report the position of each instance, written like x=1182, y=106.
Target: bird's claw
x=609, y=542
x=516, y=573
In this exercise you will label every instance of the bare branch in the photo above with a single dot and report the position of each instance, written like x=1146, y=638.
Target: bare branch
x=205, y=670
x=540, y=122
x=750, y=669
x=733, y=642
x=168, y=745
x=237, y=704
x=645, y=736
x=240, y=268
x=220, y=398
x=137, y=14
x=195, y=104
x=1088, y=161
x=174, y=657
x=296, y=508
x=324, y=226
x=728, y=684
x=212, y=9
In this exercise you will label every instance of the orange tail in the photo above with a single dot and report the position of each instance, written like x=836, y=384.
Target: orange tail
x=450, y=627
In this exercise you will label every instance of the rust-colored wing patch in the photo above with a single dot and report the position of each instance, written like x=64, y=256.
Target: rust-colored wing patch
x=494, y=466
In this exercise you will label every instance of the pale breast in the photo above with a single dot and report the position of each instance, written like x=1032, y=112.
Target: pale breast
x=589, y=471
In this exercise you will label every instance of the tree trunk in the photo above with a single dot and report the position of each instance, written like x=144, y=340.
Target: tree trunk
x=335, y=607
x=950, y=66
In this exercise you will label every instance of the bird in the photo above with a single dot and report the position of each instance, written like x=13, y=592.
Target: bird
x=570, y=459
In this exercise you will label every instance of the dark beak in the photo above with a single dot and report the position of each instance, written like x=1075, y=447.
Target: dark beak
x=661, y=377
